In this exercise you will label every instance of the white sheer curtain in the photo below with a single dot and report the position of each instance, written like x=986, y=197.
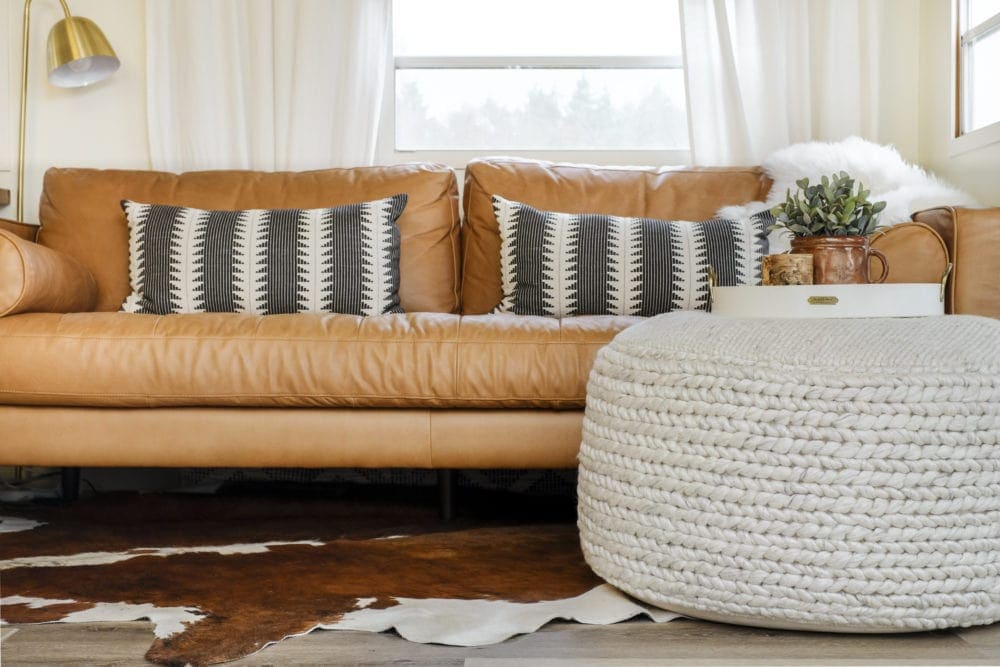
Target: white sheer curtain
x=265, y=84
x=762, y=74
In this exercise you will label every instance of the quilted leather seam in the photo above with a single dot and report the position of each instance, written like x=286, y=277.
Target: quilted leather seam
x=352, y=400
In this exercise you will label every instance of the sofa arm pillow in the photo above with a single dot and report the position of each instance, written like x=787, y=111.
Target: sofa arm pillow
x=916, y=253
x=563, y=264
x=34, y=278
x=343, y=259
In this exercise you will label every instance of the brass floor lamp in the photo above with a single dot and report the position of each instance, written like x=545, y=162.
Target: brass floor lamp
x=78, y=55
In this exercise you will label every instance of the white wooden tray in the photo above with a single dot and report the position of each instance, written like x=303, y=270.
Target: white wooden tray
x=891, y=300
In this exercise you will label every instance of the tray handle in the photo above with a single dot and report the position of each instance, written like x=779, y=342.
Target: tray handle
x=944, y=279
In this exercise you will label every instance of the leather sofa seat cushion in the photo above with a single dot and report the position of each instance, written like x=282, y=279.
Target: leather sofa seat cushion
x=81, y=215
x=303, y=360
x=664, y=193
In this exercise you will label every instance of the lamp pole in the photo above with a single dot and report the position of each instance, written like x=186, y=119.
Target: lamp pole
x=25, y=31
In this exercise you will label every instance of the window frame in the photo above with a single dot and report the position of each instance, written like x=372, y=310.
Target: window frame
x=389, y=154
x=963, y=141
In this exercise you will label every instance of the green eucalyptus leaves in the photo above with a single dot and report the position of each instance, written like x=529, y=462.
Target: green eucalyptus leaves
x=836, y=206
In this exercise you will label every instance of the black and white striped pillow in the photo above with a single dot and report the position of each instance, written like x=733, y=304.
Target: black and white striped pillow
x=326, y=260
x=561, y=264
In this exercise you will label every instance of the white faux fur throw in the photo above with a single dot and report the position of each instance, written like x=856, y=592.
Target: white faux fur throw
x=906, y=188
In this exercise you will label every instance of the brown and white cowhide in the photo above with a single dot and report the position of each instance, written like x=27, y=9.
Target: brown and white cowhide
x=222, y=578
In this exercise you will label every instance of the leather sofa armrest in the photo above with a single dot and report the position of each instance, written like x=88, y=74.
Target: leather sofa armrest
x=34, y=278
x=973, y=239
x=19, y=229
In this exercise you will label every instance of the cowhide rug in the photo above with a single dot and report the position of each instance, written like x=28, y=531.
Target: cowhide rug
x=223, y=577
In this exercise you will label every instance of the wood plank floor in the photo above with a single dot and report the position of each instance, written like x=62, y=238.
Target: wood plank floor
x=640, y=643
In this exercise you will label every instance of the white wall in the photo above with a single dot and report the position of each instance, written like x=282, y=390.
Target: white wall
x=100, y=126
x=977, y=171
x=898, y=122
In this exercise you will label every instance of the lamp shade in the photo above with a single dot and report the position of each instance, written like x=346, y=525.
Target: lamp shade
x=79, y=53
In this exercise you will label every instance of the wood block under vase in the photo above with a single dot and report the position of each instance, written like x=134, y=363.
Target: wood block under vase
x=787, y=269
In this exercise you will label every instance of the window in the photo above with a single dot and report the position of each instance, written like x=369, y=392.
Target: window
x=978, y=78
x=584, y=80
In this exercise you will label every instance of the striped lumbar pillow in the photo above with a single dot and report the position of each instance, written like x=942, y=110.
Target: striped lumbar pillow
x=326, y=260
x=560, y=264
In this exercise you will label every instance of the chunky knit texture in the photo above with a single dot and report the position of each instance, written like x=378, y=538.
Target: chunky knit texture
x=822, y=474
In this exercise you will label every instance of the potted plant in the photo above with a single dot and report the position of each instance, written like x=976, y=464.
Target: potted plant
x=832, y=221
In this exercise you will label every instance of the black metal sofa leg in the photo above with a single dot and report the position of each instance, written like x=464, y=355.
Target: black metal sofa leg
x=447, y=482
x=70, y=484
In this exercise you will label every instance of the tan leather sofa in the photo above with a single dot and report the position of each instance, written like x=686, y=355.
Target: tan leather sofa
x=445, y=385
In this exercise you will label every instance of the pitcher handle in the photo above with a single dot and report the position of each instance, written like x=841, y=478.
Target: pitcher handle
x=885, y=265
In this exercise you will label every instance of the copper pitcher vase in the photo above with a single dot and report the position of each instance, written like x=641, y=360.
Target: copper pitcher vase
x=840, y=260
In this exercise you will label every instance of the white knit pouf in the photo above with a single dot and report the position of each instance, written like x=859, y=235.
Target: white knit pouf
x=839, y=475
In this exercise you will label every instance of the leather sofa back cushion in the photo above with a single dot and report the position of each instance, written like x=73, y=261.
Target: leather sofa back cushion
x=81, y=216
x=664, y=193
